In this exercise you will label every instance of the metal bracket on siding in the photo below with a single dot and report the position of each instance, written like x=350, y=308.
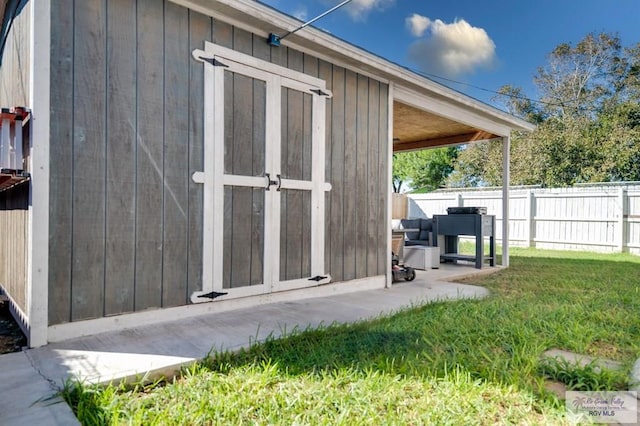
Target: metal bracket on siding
x=318, y=278
x=321, y=93
x=212, y=61
x=212, y=295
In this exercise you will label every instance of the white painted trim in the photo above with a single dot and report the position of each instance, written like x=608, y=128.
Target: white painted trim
x=246, y=181
x=39, y=98
x=300, y=283
x=210, y=196
x=318, y=161
x=506, y=179
x=444, y=108
x=273, y=131
x=275, y=77
x=256, y=68
x=72, y=330
x=198, y=177
x=389, y=210
x=314, y=41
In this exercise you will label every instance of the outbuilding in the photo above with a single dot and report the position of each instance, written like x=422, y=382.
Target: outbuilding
x=172, y=162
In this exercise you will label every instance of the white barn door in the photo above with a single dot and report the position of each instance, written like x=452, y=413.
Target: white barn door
x=263, y=177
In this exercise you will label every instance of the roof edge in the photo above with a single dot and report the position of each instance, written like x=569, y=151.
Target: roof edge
x=346, y=52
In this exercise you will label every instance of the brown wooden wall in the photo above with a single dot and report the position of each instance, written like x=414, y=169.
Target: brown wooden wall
x=14, y=71
x=127, y=133
x=14, y=205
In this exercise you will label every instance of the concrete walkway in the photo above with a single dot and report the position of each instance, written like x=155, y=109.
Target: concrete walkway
x=30, y=379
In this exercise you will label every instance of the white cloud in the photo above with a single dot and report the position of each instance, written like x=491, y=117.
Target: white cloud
x=301, y=13
x=453, y=49
x=417, y=24
x=359, y=9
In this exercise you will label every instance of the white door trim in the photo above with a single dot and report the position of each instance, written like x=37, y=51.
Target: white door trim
x=217, y=59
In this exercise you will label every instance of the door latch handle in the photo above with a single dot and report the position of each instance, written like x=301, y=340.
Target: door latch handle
x=279, y=182
x=271, y=182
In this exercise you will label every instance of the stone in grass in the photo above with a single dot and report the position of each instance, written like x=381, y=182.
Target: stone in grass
x=581, y=360
x=559, y=388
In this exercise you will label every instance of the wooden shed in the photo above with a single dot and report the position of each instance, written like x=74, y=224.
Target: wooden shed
x=176, y=163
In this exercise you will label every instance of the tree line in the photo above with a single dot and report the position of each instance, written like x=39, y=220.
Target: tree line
x=588, y=126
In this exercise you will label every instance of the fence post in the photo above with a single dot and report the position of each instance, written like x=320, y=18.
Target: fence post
x=530, y=225
x=622, y=216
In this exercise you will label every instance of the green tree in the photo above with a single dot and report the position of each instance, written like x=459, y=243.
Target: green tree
x=587, y=121
x=426, y=169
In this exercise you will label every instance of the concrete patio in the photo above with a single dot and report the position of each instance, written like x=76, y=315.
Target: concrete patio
x=32, y=377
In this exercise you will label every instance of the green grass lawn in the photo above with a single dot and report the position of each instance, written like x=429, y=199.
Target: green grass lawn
x=465, y=362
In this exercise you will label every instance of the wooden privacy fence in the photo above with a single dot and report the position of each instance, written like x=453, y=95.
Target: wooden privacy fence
x=595, y=218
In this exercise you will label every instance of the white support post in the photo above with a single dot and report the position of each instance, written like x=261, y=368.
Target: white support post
x=506, y=143
x=38, y=250
x=459, y=200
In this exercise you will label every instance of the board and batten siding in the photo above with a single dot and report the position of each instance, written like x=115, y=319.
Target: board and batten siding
x=127, y=134
x=14, y=71
x=14, y=232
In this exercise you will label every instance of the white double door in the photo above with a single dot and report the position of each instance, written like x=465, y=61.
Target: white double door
x=266, y=178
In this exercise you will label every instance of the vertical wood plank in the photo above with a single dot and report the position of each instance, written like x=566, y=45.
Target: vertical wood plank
x=336, y=176
x=261, y=49
x=120, y=190
x=61, y=163
x=222, y=34
x=149, y=155
x=200, y=30
x=176, y=155
x=384, y=186
x=240, y=127
x=242, y=41
x=229, y=105
x=291, y=241
x=89, y=156
x=258, y=195
x=350, y=176
x=373, y=181
x=362, y=146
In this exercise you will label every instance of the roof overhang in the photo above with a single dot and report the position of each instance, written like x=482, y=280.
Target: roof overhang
x=426, y=114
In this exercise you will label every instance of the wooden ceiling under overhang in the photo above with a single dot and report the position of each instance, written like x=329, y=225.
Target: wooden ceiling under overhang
x=415, y=129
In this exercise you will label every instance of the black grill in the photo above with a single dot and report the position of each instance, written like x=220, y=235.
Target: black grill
x=466, y=210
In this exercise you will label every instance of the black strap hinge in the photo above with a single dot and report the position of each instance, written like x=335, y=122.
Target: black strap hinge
x=319, y=92
x=317, y=278
x=212, y=295
x=214, y=62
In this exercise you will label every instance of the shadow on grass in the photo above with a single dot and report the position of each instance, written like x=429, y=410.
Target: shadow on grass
x=586, y=304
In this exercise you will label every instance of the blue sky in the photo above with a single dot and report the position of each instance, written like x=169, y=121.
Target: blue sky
x=483, y=43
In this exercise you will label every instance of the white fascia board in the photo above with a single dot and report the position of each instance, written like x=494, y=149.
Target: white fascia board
x=260, y=19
